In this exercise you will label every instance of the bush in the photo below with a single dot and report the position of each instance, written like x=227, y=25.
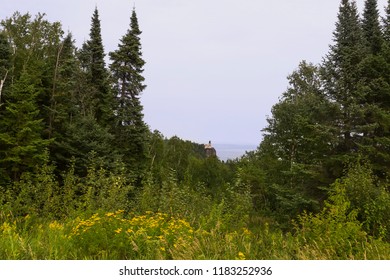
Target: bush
x=335, y=232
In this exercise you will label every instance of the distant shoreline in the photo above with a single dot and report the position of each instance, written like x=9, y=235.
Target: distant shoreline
x=232, y=151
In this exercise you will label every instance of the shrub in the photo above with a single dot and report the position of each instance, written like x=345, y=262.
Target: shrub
x=335, y=232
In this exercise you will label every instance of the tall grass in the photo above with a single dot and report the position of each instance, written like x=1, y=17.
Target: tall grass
x=113, y=235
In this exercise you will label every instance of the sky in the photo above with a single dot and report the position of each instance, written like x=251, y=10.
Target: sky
x=214, y=68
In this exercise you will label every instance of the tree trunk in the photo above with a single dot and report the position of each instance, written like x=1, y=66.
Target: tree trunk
x=2, y=84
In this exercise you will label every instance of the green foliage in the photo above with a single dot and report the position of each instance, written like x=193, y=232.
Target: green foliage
x=371, y=27
x=127, y=66
x=292, y=157
x=335, y=229
x=231, y=211
x=42, y=193
x=21, y=141
x=83, y=136
x=343, y=87
x=209, y=171
x=173, y=197
x=115, y=235
x=103, y=189
x=344, y=228
x=146, y=236
x=330, y=115
x=97, y=74
x=369, y=199
x=36, y=193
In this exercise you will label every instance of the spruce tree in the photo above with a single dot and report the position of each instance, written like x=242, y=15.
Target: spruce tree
x=21, y=143
x=68, y=89
x=371, y=27
x=83, y=103
x=374, y=71
x=77, y=133
x=342, y=82
x=127, y=68
x=98, y=74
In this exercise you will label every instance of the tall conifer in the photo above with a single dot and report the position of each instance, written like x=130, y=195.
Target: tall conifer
x=98, y=73
x=127, y=68
x=376, y=89
x=371, y=27
x=342, y=78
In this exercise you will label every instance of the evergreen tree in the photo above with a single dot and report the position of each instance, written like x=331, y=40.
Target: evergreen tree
x=69, y=88
x=371, y=27
x=342, y=82
x=127, y=67
x=83, y=103
x=77, y=133
x=375, y=90
x=21, y=143
x=63, y=82
x=98, y=74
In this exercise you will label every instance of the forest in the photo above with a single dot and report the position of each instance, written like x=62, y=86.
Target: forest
x=82, y=176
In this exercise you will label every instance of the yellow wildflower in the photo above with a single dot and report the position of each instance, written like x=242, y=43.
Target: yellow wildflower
x=6, y=227
x=55, y=226
x=161, y=237
x=119, y=230
x=246, y=231
x=241, y=256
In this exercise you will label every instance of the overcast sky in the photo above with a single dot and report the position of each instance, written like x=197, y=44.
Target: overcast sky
x=214, y=68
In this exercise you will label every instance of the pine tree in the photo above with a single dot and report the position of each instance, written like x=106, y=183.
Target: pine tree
x=374, y=71
x=21, y=143
x=342, y=82
x=98, y=74
x=127, y=68
x=77, y=133
x=83, y=103
x=371, y=27
x=68, y=87
x=345, y=55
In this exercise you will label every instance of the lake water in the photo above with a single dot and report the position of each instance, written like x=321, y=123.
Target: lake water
x=232, y=151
